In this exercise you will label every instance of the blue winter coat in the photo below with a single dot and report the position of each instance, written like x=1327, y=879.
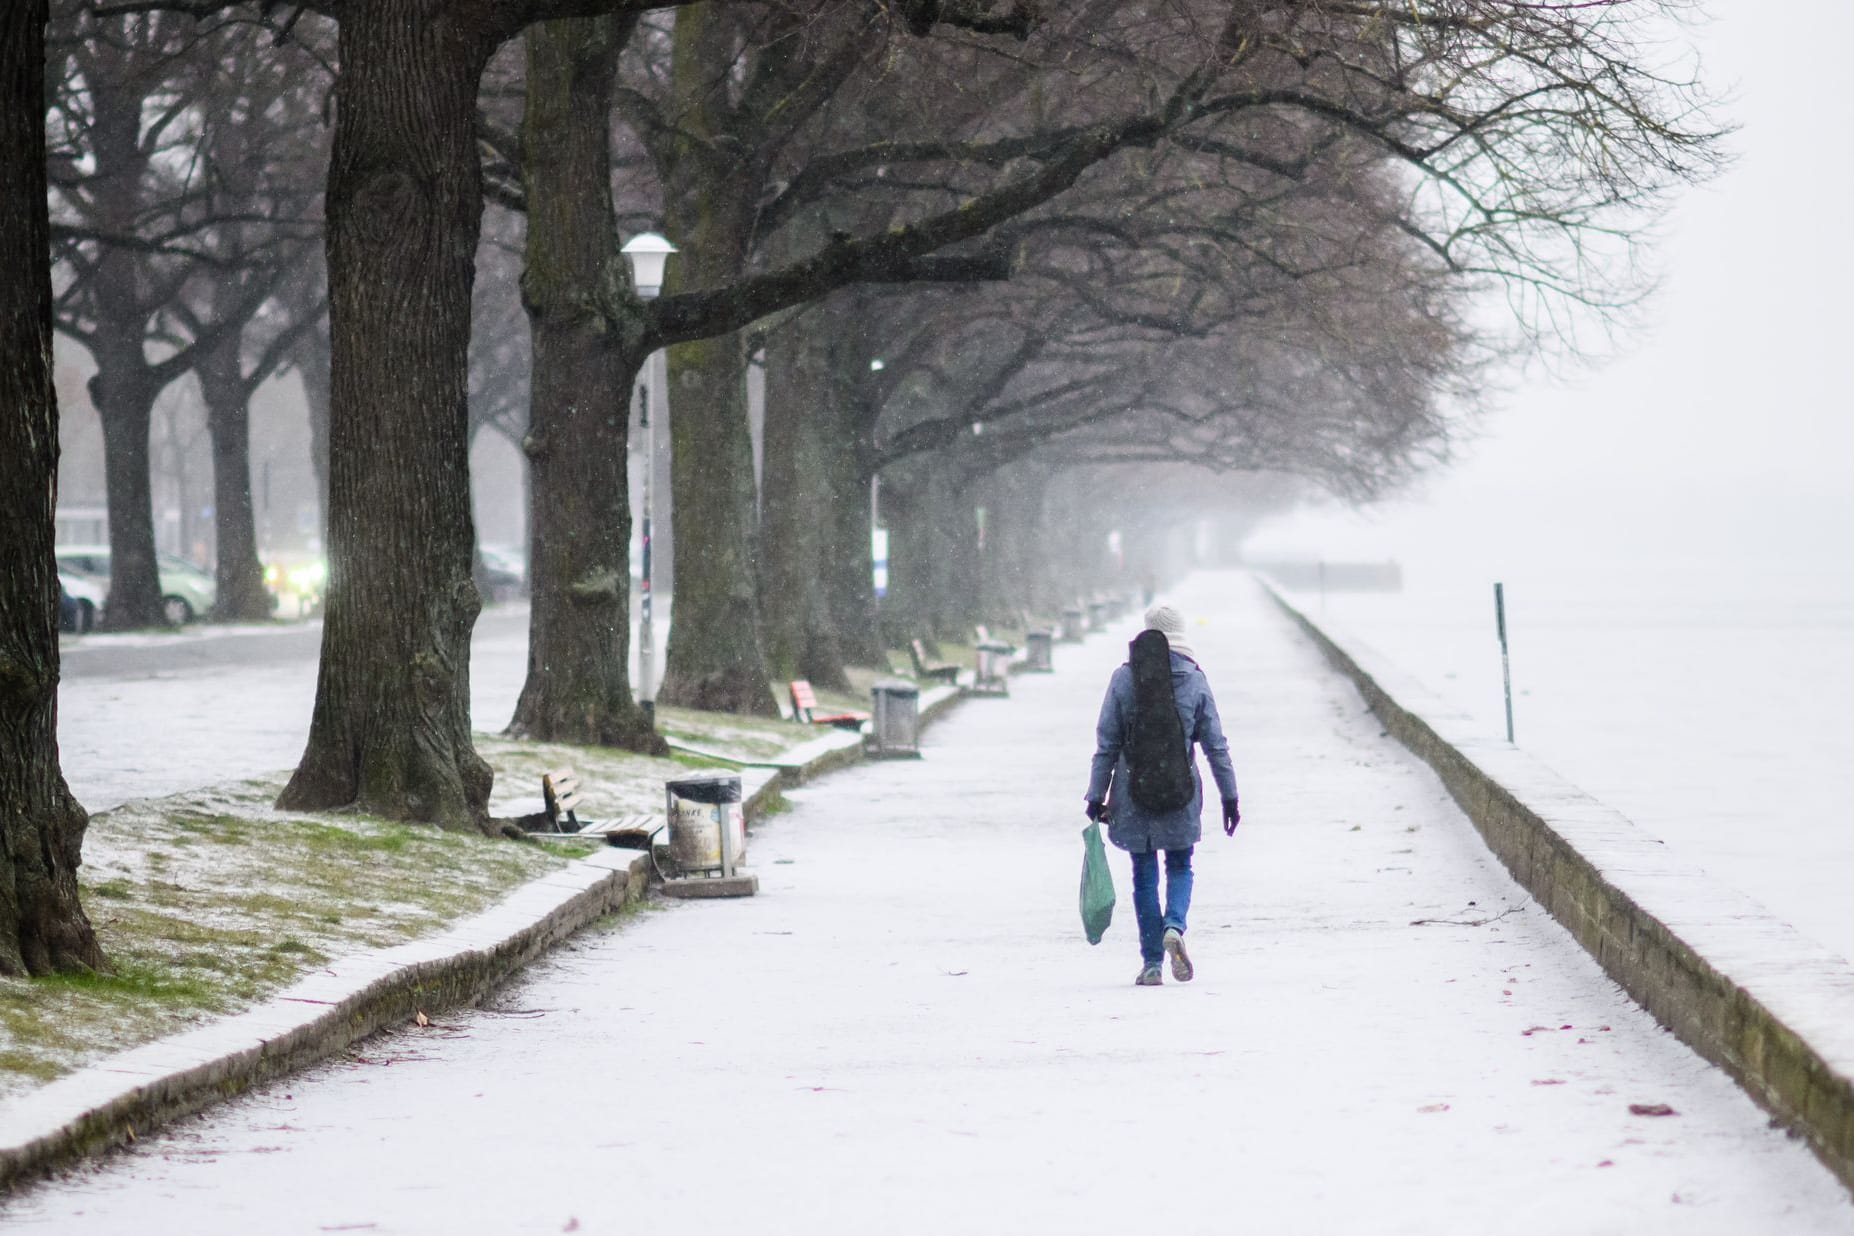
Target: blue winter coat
x=1130, y=826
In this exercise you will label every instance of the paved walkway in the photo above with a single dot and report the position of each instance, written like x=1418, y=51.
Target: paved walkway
x=906, y=1032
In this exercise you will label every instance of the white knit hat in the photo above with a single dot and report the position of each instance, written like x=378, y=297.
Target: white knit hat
x=1171, y=624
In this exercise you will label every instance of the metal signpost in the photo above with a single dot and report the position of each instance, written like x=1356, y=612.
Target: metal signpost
x=1506, y=672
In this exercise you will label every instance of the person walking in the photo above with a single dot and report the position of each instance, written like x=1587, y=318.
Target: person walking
x=1144, y=781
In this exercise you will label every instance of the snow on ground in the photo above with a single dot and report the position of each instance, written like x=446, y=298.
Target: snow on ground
x=906, y=1033
x=1706, y=703
x=171, y=724
x=144, y=715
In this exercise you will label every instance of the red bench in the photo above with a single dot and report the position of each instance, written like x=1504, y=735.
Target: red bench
x=805, y=709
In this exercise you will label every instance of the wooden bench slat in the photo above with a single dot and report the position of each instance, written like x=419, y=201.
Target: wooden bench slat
x=930, y=669
x=561, y=797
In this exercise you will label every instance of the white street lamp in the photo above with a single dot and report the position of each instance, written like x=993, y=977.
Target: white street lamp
x=649, y=253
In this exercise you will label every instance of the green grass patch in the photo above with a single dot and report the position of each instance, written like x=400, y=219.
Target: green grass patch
x=209, y=902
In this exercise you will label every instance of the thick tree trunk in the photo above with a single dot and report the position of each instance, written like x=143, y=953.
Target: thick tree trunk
x=42, y=923
x=959, y=558
x=390, y=732
x=124, y=395
x=796, y=521
x=579, y=633
x=909, y=610
x=312, y=363
x=124, y=388
x=1012, y=542
x=240, y=595
x=715, y=659
x=845, y=423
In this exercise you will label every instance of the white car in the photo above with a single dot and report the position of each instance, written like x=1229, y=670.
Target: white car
x=79, y=605
x=187, y=591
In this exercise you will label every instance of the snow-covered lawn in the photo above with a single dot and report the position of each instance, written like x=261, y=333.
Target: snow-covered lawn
x=207, y=899
x=1709, y=705
x=210, y=900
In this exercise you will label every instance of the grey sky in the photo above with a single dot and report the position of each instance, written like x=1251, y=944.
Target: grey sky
x=1722, y=427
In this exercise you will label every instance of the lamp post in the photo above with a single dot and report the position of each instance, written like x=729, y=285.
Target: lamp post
x=649, y=253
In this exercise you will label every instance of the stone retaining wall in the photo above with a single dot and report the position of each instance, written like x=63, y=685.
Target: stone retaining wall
x=1739, y=986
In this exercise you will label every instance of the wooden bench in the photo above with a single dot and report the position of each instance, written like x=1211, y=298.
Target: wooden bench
x=805, y=709
x=984, y=640
x=560, y=800
x=559, y=816
x=923, y=668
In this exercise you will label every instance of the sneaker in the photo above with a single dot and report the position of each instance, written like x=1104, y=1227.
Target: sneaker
x=1151, y=976
x=1181, y=960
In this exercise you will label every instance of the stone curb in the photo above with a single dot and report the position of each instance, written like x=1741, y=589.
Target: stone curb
x=106, y=1103
x=1738, y=985
x=109, y=1103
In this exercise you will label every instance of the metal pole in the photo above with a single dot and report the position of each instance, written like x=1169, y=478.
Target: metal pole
x=646, y=634
x=1506, y=672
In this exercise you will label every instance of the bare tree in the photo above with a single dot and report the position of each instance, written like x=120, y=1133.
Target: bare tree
x=1497, y=110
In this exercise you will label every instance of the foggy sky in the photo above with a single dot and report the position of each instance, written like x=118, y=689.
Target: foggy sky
x=1721, y=431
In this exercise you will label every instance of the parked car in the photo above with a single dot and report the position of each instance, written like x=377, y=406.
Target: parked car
x=301, y=578
x=187, y=590
x=80, y=603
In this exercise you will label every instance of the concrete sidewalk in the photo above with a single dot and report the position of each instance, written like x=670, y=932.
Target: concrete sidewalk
x=905, y=1031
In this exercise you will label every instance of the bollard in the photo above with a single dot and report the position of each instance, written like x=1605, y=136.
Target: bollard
x=894, y=733
x=1040, y=651
x=1072, y=619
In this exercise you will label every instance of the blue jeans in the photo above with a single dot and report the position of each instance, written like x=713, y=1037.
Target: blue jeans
x=1153, y=922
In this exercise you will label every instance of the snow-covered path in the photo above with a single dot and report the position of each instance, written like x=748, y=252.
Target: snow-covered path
x=905, y=1031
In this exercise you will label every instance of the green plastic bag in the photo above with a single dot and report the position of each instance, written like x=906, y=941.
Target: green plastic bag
x=1097, y=885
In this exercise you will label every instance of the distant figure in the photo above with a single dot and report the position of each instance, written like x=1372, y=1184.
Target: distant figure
x=1145, y=784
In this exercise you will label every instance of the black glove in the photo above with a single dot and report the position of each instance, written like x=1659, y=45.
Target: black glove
x=1232, y=816
x=1095, y=809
